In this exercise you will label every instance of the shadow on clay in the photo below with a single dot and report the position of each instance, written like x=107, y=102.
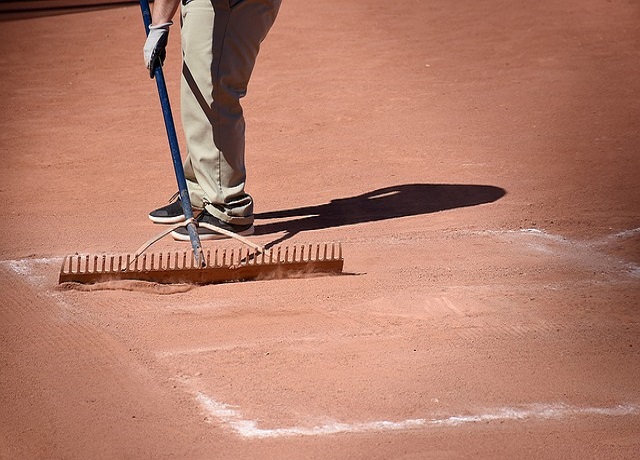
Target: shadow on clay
x=382, y=204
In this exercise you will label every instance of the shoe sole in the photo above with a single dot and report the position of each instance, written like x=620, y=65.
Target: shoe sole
x=211, y=236
x=174, y=219
x=167, y=220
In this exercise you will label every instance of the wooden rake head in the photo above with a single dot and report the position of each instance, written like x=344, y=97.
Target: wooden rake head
x=220, y=266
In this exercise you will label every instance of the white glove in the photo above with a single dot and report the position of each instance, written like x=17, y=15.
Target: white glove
x=154, y=48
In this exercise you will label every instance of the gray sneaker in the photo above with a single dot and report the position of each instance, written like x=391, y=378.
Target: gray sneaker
x=169, y=214
x=182, y=234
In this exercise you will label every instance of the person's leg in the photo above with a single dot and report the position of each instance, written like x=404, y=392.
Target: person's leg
x=220, y=40
x=196, y=91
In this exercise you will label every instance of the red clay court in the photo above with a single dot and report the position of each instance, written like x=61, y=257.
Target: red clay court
x=478, y=161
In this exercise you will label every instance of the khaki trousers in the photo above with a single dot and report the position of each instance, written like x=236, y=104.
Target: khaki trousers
x=220, y=43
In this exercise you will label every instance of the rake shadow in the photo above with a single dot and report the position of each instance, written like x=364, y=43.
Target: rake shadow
x=382, y=204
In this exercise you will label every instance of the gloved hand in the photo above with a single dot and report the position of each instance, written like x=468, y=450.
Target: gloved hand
x=154, y=48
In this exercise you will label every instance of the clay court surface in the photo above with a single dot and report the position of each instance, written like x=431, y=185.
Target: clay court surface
x=478, y=160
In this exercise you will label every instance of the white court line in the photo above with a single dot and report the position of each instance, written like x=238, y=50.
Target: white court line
x=231, y=417
x=24, y=267
x=626, y=233
x=593, y=246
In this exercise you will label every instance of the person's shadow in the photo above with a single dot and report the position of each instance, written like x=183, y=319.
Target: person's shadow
x=386, y=203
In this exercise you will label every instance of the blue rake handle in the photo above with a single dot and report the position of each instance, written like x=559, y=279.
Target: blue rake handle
x=175, y=149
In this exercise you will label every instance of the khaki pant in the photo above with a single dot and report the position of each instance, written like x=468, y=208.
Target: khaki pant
x=220, y=43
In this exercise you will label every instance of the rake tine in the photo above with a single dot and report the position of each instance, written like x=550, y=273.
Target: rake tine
x=224, y=265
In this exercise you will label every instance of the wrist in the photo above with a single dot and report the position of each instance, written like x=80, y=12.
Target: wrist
x=162, y=25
